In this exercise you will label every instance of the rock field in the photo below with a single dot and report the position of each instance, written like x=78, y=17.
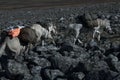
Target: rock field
x=65, y=61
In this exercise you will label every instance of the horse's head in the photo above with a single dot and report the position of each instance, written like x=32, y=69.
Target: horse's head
x=52, y=28
x=108, y=27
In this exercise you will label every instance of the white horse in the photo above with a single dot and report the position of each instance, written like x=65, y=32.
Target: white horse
x=43, y=32
x=12, y=44
x=76, y=27
x=97, y=24
x=52, y=28
x=101, y=24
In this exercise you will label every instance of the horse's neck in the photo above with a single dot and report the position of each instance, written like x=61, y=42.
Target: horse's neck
x=45, y=32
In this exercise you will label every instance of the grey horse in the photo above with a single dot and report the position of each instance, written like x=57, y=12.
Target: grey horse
x=97, y=24
x=13, y=45
x=76, y=27
x=43, y=32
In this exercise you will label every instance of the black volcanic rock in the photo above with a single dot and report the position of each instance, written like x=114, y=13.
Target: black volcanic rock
x=99, y=75
x=65, y=64
x=94, y=60
x=51, y=74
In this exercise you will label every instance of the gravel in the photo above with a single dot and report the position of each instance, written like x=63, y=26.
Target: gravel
x=65, y=61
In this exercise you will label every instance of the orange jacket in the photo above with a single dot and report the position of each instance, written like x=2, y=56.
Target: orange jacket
x=14, y=32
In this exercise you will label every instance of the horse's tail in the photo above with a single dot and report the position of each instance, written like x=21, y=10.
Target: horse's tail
x=2, y=47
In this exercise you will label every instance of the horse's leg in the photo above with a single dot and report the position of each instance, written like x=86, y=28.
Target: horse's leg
x=53, y=41
x=77, y=33
x=38, y=41
x=20, y=51
x=17, y=53
x=96, y=30
x=74, y=40
x=43, y=43
x=23, y=49
x=99, y=35
x=94, y=33
x=80, y=41
x=28, y=48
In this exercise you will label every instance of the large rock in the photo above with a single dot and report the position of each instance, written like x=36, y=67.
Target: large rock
x=65, y=64
x=46, y=48
x=113, y=63
x=76, y=76
x=99, y=75
x=51, y=74
x=18, y=69
x=117, y=77
x=35, y=70
x=36, y=77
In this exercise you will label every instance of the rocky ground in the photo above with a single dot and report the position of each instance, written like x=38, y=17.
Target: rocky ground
x=90, y=61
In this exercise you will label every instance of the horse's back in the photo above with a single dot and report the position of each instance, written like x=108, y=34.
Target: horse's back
x=75, y=26
x=102, y=22
x=38, y=29
x=36, y=26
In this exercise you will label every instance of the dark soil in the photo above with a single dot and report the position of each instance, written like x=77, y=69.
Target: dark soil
x=90, y=61
x=17, y=4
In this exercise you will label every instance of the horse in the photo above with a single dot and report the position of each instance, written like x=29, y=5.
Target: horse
x=43, y=32
x=13, y=44
x=76, y=27
x=97, y=24
x=101, y=23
